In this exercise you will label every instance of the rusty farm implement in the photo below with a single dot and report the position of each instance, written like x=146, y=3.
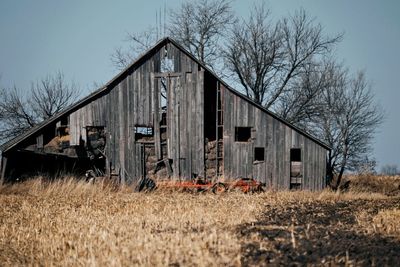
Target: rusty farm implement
x=245, y=185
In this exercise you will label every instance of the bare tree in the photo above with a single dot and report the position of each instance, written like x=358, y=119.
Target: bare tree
x=297, y=105
x=347, y=120
x=199, y=25
x=390, y=169
x=367, y=166
x=254, y=54
x=196, y=25
x=47, y=96
x=50, y=95
x=138, y=43
x=16, y=114
x=268, y=58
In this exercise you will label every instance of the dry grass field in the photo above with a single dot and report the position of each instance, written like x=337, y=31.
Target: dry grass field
x=68, y=222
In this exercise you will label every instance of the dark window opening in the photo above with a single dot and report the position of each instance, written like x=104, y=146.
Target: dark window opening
x=220, y=117
x=242, y=134
x=163, y=121
x=210, y=112
x=295, y=185
x=259, y=153
x=295, y=154
x=220, y=132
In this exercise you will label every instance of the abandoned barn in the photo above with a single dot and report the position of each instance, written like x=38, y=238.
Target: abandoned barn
x=169, y=116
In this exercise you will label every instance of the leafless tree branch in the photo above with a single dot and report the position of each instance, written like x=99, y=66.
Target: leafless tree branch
x=196, y=25
x=138, y=43
x=47, y=96
x=348, y=119
x=270, y=58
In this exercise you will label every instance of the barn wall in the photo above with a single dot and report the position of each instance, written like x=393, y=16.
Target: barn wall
x=134, y=102
x=277, y=139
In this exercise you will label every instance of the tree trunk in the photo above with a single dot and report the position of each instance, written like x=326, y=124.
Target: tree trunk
x=329, y=170
x=339, y=178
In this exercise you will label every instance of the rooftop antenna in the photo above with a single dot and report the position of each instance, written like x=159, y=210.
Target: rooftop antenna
x=160, y=23
x=156, y=25
x=161, y=30
x=165, y=15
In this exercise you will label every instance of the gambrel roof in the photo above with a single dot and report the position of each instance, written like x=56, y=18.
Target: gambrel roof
x=104, y=89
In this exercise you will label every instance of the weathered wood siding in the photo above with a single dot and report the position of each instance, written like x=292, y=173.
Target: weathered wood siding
x=277, y=138
x=132, y=102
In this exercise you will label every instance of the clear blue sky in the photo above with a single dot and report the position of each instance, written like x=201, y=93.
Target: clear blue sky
x=78, y=37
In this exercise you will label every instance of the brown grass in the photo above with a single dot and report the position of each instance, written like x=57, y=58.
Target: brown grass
x=70, y=222
x=389, y=185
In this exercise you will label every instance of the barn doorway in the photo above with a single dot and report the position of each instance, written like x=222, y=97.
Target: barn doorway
x=169, y=119
x=95, y=149
x=213, y=127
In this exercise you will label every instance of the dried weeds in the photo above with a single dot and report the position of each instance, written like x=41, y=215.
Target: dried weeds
x=70, y=222
x=387, y=185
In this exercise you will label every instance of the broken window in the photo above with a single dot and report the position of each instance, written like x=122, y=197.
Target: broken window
x=143, y=133
x=242, y=134
x=259, y=153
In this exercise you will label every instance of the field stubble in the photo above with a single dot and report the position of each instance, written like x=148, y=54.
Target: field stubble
x=70, y=222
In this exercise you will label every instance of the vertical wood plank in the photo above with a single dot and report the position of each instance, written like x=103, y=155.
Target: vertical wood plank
x=156, y=115
x=200, y=123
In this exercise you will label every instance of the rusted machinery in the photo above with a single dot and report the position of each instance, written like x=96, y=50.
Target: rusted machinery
x=245, y=185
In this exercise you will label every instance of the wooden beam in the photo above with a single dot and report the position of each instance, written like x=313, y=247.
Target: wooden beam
x=3, y=167
x=39, y=141
x=154, y=84
x=216, y=131
x=167, y=74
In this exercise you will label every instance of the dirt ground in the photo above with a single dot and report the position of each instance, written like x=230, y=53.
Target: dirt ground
x=320, y=232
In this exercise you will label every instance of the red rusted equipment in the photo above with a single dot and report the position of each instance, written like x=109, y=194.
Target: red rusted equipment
x=245, y=185
x=197, y=184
